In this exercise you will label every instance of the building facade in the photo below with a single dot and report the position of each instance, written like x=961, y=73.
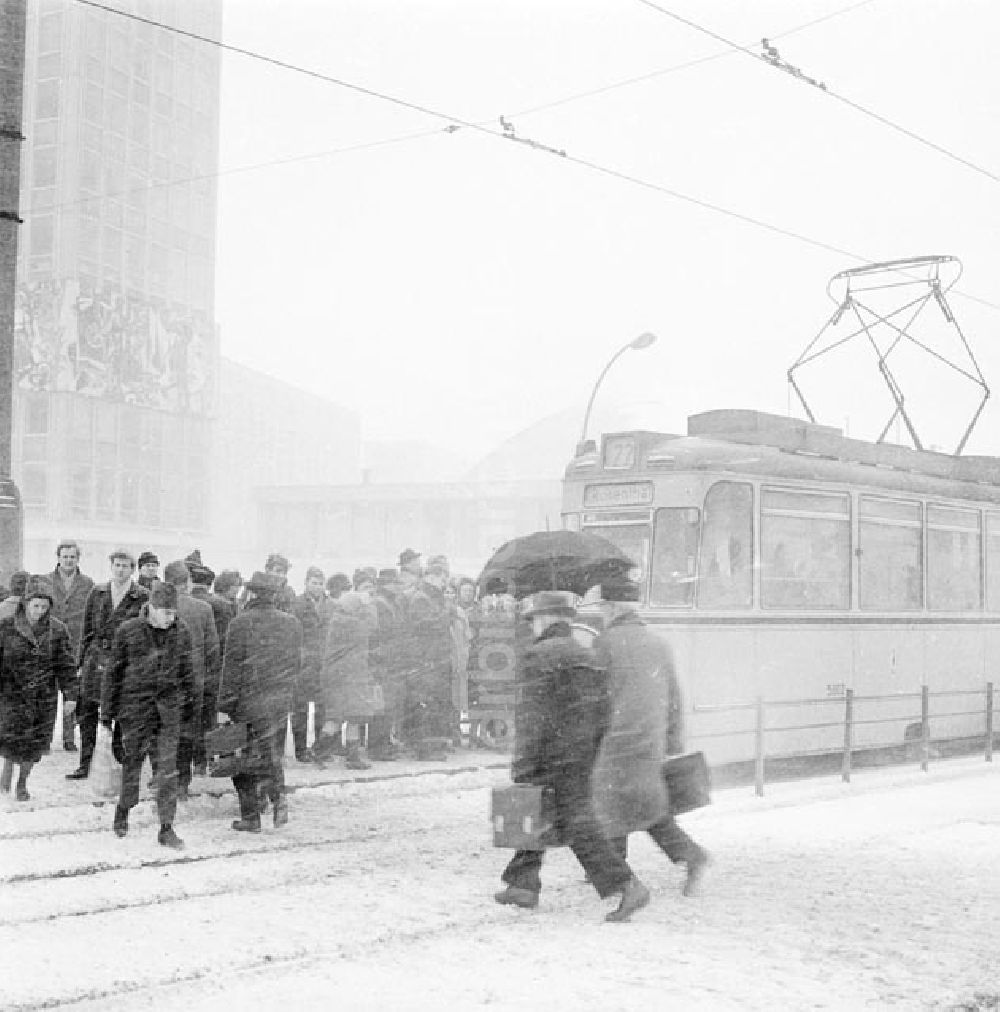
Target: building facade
x=116, y=348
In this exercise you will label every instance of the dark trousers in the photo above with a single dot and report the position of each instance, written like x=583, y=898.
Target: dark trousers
x=670, y=838
x=87, y=717
x=186, y=745
x=427, y=714
x=267, y=771
x=68, y=721
x=605, y=868
x=157, y=739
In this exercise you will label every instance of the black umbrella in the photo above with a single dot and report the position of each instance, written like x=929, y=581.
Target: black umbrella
x=552, y=560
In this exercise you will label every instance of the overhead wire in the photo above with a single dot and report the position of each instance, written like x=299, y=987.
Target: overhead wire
x=878, y=117
x=456, y=122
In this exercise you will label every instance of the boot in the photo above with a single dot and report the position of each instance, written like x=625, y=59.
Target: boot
x=695, y=873
x=22, y=792
x=6, y=776
x=80, y=773
x=281, y=811
x=120, y=825
x=516, y=897
x=250, y=824
x=634, y=897
x=168, y=838
x=357, y=757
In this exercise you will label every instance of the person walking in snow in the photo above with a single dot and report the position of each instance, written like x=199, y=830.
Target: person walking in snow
x=36, y=662
x=559, y=718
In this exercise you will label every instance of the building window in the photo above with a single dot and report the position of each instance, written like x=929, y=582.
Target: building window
x=675, y=557
x=42, y=234
x=890, y=571
x=79, y=491
x=34, y=486
x=47, y=100
x=993, y=561
x=805, y=549
x=50, y=28
x=952, y=559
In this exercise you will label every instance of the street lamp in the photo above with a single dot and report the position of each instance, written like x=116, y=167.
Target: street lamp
x=644, y=340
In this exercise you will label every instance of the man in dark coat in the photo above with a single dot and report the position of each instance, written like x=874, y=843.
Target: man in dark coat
x=205, y=664
x=36, y=661
x=277, y=565
x=384, y=651
x=428, y=714
x=646, y=724
x=310, y=609
x=108, y=606
x=263, y=655
x=149, y=569
x=70, y=589
x=149, y=692
x=561, y=712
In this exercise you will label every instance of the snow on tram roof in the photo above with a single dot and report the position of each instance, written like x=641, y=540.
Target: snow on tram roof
x=793, y=448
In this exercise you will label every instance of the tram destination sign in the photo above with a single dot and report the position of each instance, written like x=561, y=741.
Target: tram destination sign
x=629, y=493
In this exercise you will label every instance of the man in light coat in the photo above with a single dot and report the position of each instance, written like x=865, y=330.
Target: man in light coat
x=70, y=590
x=645, y=724
x=205, y=666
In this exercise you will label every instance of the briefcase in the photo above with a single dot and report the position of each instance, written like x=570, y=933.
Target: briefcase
x=226, y=748
x=688, y=782
x=523, y=817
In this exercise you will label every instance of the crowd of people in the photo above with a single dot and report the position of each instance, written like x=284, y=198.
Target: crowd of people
x=377, y=660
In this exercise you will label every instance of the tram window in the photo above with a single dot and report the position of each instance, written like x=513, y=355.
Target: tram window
x=806, y=549
x=725, y=573
x=632, y=539
x=675, y=555
x=993, y=561
x=890, y=570
x=952, y=559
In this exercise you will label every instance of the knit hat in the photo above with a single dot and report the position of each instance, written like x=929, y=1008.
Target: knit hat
x=277, y=561
x=314, y=572
x=200, y=573
x=38, y=586
x=18, y=581
x=163, y=595
x=264, y=584
x=146, y=558
x=338, y=583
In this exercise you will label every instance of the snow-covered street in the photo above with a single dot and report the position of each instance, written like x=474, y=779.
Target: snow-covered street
x=881, y=893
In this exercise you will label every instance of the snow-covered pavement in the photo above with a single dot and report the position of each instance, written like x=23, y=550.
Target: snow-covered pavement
x=877, y=894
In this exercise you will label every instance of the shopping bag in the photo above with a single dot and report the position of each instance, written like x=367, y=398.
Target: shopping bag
x=688, y=782
x=105, y=771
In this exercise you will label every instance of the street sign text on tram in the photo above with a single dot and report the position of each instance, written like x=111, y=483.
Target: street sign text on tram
x=632, y=493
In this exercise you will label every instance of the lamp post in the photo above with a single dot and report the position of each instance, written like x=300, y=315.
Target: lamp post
x=644, y=340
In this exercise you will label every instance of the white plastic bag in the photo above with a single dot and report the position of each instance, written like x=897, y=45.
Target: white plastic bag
x=105, y=771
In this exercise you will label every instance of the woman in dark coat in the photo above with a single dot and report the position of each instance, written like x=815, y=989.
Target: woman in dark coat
x=36, y=661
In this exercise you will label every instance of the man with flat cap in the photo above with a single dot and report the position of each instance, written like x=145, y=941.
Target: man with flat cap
x=205, y=663
x=261, y=664
x=560, y=716
x=149, y=693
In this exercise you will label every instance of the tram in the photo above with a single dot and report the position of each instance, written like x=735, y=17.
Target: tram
x=787, y=563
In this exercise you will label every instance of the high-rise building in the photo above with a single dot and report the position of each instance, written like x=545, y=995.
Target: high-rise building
x=116, y=347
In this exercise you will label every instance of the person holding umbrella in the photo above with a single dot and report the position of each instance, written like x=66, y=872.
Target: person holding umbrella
x=558, y=723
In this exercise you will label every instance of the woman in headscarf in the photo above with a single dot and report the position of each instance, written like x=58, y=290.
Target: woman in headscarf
x=36, y=661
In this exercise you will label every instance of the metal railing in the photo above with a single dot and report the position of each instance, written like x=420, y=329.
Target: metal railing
x=849, y=721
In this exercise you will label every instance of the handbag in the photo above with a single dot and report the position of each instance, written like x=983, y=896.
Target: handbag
x=105, y=777
x=688, y=782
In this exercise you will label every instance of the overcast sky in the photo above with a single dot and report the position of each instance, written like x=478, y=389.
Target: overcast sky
x=457, y=286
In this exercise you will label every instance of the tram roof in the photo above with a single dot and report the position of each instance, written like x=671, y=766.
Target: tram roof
x=796, y=449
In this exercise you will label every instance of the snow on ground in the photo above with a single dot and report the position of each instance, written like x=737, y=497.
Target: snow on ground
x=881, y=893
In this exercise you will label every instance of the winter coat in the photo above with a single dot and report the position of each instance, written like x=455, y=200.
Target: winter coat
x=222, y=612
x=68, y=605
x=427, y=647
x=347, y=683
x=629, y=792
x=35, y=663
x=205, y=661
x=100, y=623
x=262, y=660
x=313, y=616
x=148, y=667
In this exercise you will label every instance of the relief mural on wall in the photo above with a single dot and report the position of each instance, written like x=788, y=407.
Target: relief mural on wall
x=113, y=346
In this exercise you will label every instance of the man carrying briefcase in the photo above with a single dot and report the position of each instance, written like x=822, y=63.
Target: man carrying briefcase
x=629, y=789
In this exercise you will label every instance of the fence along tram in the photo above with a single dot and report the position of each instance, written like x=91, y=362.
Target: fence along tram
x=788, y=563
